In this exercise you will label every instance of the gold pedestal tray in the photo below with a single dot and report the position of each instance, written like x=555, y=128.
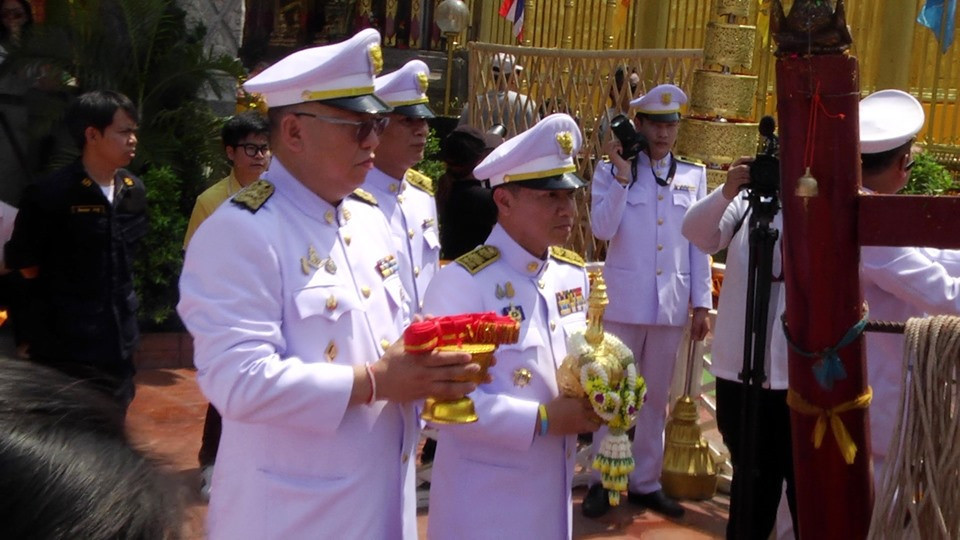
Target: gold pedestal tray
x=719, y=143
x=737, y=8
x=460, y=411
x=729, y=45
x=719, y=94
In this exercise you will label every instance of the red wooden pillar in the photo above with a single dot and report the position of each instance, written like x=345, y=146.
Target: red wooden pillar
x=821, y=267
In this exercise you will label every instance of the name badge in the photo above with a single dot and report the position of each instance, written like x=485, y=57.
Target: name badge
x=87, y=209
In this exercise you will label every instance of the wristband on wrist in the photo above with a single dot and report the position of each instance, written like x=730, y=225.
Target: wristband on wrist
x=373, y=384
x=544, y=423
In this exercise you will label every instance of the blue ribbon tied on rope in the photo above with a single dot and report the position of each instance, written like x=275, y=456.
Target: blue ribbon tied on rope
x=828, y=368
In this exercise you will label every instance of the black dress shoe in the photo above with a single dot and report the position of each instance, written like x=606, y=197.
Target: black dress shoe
x=595, y=502
x=658, y=502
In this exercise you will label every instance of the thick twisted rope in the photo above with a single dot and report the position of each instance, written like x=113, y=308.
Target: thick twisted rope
x=919, y=493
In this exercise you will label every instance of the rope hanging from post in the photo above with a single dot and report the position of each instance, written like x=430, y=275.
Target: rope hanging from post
x=919, y=493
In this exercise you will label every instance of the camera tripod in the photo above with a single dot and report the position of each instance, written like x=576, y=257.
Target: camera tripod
x=763, y=207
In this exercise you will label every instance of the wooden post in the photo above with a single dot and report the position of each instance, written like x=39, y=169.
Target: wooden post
x=824, y=300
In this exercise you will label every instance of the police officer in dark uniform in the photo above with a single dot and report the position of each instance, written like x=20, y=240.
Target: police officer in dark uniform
x=73, y=240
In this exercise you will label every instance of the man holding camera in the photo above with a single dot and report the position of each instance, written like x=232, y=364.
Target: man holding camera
x=722, y=221
x=653, y=274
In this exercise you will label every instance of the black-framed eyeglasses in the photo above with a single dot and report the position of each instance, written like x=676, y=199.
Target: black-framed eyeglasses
x=251, y=150
x=909, y=165
x=374, y=124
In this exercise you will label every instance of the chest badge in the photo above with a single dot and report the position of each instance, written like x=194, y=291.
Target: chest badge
x=505, y=291
x=387, y=266
x=427, y=223
x=521, y=377
x=313, y=260
x=514, y=312
x=570, y=301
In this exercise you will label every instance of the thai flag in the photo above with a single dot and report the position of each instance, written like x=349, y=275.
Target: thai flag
x=513, y=11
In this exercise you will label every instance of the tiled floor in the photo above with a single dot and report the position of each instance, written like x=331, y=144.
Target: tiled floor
x=166, y=419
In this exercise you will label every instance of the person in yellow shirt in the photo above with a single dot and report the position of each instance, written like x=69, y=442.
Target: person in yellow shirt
x=247, y=144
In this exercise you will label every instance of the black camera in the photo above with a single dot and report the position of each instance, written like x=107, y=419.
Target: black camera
x=632, y=142
x=765, y=169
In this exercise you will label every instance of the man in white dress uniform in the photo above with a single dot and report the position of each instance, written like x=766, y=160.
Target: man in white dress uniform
x=296, y=321
x=654, y=276
x=405, y=195
x=509, y=474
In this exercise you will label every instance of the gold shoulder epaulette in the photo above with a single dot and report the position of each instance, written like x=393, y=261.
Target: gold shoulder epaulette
x=689, y=161
x=365, y=196
x=253, y=196
x=567, y=256
x=420, y=181
x=478, y=259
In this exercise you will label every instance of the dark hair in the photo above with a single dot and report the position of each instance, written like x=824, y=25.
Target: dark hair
x=240, y=126
x=5, y=34
x=96, y=109
x=881, y=161
x=66, y=469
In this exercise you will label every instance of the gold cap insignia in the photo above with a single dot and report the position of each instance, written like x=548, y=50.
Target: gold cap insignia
x=423, y=80
x=565, y=140
x=666, y=98
x=127, y=181
x=376, y=58
x=87, y=182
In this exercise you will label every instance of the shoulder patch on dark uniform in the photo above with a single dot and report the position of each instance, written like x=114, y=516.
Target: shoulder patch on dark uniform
x=253, y=196
x=689, y=161
x=365, y=196
x=567, y=256
x=419, y=180
x=478, y=259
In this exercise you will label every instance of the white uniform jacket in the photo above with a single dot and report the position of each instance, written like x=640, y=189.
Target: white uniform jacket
x=495, y=479
x=282, y=303
x=898, y=283
x=653, y=274
x=411, y=210
x=710, y=225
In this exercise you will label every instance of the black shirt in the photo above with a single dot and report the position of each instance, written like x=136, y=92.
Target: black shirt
x=81, y=314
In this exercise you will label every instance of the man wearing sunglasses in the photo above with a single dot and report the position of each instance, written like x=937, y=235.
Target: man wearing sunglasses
x=247, y=145
x=297, y=318
x=406, y=196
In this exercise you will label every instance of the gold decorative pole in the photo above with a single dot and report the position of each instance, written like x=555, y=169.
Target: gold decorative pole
x=568, y=13
x=529, y=12
x=652, y=24
x=609, y=13
x=893, y=62
x=451, y=17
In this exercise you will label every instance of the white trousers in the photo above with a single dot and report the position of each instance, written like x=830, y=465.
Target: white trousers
x=655, y=351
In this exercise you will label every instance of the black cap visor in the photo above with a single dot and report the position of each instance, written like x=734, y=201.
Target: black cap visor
x=367, y=103
x=561, y=181
x=417, y=110
x=668, y=117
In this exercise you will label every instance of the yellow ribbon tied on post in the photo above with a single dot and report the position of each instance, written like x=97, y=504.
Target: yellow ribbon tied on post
x=847, y=447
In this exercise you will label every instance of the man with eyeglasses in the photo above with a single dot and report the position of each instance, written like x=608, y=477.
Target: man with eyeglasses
x=654, y=276
x=247, y=145
x=406, y=196
x=297, y=318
